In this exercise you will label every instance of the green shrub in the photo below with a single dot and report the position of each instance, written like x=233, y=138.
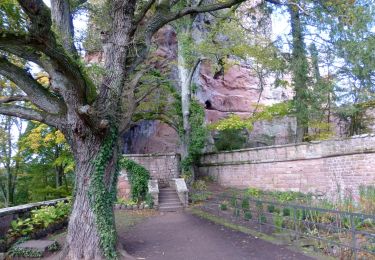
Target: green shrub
x=15, y=251
x=149, y=200
x=367, y=198
x=247, y=215
x=271, y=208
x=40, y=218
x=245, y=204
x=262, y=218
x=278, y=221
x=233, y=202
x=21, y=227
x=50, y=214
x=286, y=212
x=123, y=201
x=200, y=196
x=199, y=185
x=287, y=196
x=138, y=177
x=223, y=206
x=253, y=192
x=230, y=139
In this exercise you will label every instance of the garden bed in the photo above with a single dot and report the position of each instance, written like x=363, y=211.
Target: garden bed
x=39, y=224
x=328, y=229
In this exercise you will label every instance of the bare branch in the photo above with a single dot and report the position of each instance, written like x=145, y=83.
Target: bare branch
x=30, y=114
x=143, y=12
x=151, y=115
x=37, y=94
x=15, y=98
x=144, y=95
x=203, y=9
x=192, y=72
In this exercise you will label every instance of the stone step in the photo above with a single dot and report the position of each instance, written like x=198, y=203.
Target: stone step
x=170, y=203
x=166, y=188
x=168, y=192
x=169, y=200
x=168, y=196
x=166, y=200
x=170, y=208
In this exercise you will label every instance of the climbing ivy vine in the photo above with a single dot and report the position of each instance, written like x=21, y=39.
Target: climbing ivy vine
x=101, y=198
x=198, y=135
x=138, y=177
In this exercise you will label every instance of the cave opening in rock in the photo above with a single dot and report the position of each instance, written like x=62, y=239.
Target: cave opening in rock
x=208, y=104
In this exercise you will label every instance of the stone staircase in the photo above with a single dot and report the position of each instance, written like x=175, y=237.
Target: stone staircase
x=169, y=200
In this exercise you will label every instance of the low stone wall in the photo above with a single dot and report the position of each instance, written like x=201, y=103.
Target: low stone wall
x=324, y=167
x=21, y=211
x=162, y=167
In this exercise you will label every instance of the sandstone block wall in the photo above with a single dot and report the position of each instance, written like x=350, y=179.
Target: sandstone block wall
x=324, y=167
x=162, y=167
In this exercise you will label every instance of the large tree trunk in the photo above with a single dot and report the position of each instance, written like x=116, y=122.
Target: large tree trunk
x=91, y=230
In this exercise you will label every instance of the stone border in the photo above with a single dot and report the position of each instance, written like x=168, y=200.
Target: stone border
x=283, y=160
x=293, y=144
x=152, y=155
x=28, y=207
x=292, y=152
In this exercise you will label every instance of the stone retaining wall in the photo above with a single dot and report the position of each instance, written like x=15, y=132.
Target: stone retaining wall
x=12, y=213
x=319, y=167
x=162, y=167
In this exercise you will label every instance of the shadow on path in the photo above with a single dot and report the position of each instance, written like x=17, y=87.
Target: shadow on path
x=183, y=236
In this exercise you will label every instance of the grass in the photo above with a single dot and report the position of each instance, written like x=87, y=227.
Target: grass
x=126, y=219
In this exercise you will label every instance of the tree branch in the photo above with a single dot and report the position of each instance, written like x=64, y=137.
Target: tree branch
x=138, y=18
x=40, y=17
x=192, y=72
x=22, y=46
x=144, y=95
x=37, y=94
x=44, y=40
x=15, y=98
x=203, y=9
x=30, y=114
x=62, y=18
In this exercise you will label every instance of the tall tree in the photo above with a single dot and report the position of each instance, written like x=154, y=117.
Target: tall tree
x=91, y=115
x=299, y=70
x=10, y=129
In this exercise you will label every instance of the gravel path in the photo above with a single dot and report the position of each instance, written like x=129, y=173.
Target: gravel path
x=183, y=236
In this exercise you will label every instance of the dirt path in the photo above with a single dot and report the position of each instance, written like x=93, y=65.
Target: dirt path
x=183, y=236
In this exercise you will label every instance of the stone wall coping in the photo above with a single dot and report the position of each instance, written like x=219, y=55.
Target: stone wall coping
x=152, y=155
x=28, y=207
x=371, y=136
x=153, y=186
x=180, y=185
x=283, y=160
